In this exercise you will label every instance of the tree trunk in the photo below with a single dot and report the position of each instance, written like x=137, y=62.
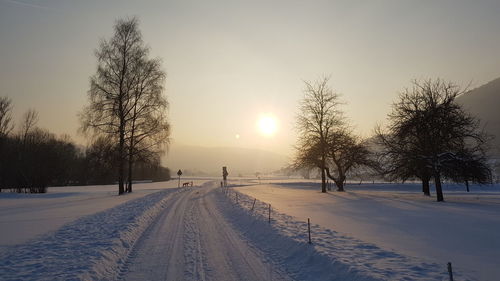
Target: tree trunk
x=467, y=185
x=121, y=159
x=121, y=188
x=340, y=186
x=130, y=166
x=340, y=182
x=439, y=189
x=323, y=180
x=121, y=115
x=426, y=186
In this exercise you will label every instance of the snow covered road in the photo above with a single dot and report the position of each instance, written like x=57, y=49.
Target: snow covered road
x=199, y=233
x=191, y=240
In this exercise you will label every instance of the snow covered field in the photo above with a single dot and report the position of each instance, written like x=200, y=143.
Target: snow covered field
x=159, y=232
x=24, y=216
x=463, y=230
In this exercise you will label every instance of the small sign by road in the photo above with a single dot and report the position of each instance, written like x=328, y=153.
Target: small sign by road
x=179, y=173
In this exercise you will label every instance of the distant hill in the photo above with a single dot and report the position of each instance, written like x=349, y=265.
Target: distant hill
x=484, y=103
x=208, y=161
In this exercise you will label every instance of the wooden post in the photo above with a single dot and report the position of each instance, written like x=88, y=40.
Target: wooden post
x=450, y=271
x=253, y=205
x=309, y=229
x=269, y=213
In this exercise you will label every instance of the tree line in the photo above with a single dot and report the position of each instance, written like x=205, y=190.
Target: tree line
x=429, y=136
x=33, y=158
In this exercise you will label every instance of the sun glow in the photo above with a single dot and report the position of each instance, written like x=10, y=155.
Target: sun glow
x=267, y=125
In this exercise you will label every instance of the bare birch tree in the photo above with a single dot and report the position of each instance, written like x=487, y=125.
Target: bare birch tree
x=119, y=91
x=148, y=129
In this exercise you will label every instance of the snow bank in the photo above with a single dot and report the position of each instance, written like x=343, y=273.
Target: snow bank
x=331, y=256
x=90, y=248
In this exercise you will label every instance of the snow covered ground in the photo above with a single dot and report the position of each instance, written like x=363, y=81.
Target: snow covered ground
x=74, y=233
x=24, y=216
x=370, y=232
x=397, y=218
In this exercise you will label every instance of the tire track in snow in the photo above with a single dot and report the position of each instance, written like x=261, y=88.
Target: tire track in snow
x=194, y=255
x=232, y=255
x=158, y=253
x=90, y=248
x=190, y=240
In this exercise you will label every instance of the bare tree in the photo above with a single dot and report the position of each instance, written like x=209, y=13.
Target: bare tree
x=429, y=131
x=470, y=163
x=346, y=152
x=318, y=116
x=6, y=125
x=399, y=159
x=28, y=123
x=148, y=128
x=119, y=94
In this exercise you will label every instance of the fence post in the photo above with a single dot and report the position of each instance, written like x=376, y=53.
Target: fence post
x=309, y=229
x=269, y=213
x=450, y=271
x=253, y=205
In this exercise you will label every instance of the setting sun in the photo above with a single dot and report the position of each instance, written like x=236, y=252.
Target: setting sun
x=267, y=125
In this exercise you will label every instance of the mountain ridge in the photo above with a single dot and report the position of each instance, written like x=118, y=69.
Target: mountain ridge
x=483, y=102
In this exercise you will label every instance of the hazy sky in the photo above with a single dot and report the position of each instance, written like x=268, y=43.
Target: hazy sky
x=228, y=62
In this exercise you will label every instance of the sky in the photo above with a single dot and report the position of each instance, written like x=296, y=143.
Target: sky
x=229, y=63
